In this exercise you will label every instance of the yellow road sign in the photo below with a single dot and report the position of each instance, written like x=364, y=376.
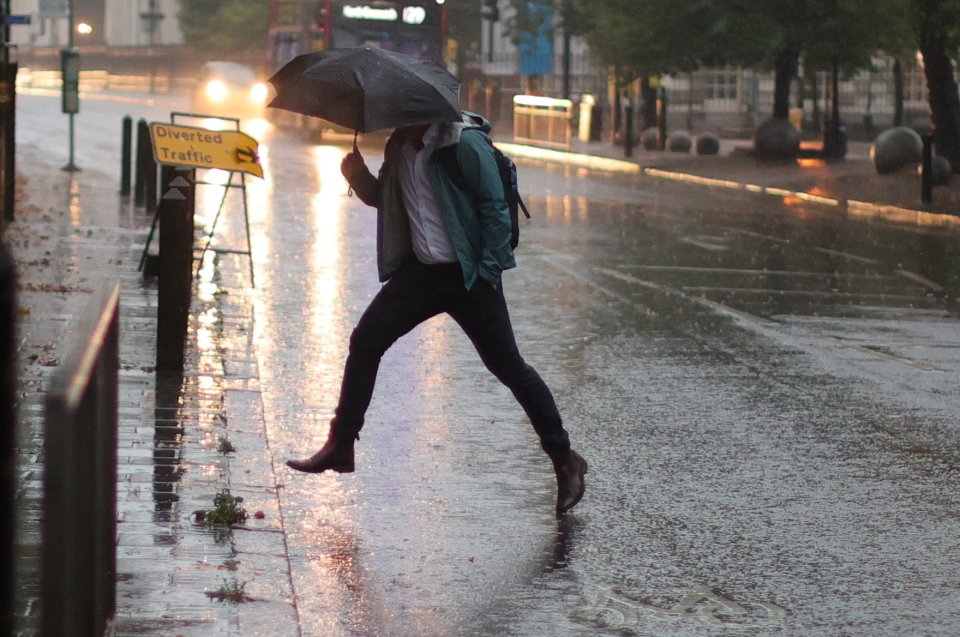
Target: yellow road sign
x=202, y=148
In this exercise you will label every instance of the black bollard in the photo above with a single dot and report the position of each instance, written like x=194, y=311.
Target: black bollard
x=628, y=129
x=143, y=151
x=926, y=171
x=125, y=155
x=175, y=284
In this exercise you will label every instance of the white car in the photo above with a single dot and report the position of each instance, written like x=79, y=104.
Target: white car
x=229, y=89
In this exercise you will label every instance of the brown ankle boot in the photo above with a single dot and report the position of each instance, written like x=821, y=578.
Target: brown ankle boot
x=335, y=455
x=570, y=483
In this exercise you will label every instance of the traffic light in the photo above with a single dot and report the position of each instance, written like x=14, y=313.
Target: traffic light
x=490, y=11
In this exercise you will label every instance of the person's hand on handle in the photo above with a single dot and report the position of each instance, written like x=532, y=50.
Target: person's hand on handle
x=352, y=164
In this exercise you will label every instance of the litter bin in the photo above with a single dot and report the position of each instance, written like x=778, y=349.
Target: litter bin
x=587, y=103
x=591, y=119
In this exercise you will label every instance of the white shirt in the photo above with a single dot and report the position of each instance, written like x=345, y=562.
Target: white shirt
x=428, y=229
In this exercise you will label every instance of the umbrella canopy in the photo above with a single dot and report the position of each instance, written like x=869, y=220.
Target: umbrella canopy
x=367, y=89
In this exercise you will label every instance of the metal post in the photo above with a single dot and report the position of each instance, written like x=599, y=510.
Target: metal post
x=71, y=165
x=176, y=266
x=926, y=173
x=8, y=434
x=125, y=154
x=628, y=128
x=150, y=177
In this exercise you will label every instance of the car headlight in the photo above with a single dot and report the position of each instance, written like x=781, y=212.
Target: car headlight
x=216, y=90
x=258, y=93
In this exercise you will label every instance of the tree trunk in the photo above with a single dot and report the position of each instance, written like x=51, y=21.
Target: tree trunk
x=648, y=104
x=944, y=104
x=898, y=92
x=941, y=84
x=785, y=69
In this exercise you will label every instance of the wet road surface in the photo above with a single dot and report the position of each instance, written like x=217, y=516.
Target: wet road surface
x=737, y=371
x=762, y=388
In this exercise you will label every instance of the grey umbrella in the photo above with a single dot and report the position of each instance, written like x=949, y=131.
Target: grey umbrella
x=367, y=89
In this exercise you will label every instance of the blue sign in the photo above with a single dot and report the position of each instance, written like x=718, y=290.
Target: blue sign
x=16, y=19
x=536, y=49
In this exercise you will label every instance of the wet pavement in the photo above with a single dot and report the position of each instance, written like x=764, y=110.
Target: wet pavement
x=763, y=387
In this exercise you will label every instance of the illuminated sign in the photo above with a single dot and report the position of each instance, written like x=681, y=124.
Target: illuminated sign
x=414, y=15
x=366, y=12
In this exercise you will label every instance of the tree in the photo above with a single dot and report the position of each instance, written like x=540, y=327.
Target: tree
x=525, y=18
x=463, y=25
x=665, y=36
x=223, y=28
x=936, y=23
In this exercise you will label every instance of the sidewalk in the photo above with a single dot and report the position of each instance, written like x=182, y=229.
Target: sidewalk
x=71, y=233
x=850, y=183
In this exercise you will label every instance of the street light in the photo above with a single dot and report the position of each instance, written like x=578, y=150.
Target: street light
x=84, y=28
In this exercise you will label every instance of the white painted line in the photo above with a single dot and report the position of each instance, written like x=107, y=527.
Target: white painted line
x=713, y=247
x=887, y=356
x=848, y=256
x=922, y=280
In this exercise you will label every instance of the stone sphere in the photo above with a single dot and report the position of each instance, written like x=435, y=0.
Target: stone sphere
x=708, y=144
x=776, y=139
x=896, y=148
x=648, y=138
x=941, y=170
x=679, y=141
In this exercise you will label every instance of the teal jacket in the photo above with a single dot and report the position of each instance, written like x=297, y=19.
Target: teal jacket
x=477, y=216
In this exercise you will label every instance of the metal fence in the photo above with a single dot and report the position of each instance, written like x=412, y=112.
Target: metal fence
x=79, y=528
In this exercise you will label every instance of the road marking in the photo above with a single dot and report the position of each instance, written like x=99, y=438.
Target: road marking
x=838, y=276
x=814, y=294
x=617, y=611
x=874, y=350
x=757, y=235
x=922, y=280
x=707, y=243
x=845, y=255
x=699, y=300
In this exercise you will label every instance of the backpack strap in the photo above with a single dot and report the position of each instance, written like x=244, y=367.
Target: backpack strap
x=447, y=156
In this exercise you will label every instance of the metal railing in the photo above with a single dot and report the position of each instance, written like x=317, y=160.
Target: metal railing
x=542, y=120
x=79, y=528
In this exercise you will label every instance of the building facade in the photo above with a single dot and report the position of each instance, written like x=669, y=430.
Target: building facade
x=113, y=23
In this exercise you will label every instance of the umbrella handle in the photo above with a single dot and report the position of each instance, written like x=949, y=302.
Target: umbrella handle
x=355, y=149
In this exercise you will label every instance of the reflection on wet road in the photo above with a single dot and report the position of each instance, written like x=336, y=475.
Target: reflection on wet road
x=758, y=384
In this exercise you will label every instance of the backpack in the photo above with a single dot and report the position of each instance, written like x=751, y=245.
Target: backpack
x=508, y=177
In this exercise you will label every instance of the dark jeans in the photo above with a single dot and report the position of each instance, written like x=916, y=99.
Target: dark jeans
x=414, y=294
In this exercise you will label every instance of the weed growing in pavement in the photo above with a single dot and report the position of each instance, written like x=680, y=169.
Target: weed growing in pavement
x=233, y=591
x=224, y=445
x=227, y=510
